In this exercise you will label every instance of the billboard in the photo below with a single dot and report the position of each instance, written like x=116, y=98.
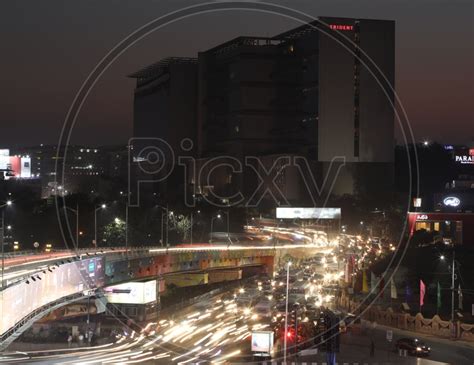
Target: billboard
x=19, y=300
x=262, y=341
x=17, y=166
x=308, y=213
x=132, y=293
x=25, y=167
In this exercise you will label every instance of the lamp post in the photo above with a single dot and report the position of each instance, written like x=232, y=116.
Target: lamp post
x=126, y=228
x=286, y=310
x=452, y=293
x=219, y=216
x=453, y=277
x=212, y=222
x=7, y=203
x=102, y=206
x=166, y=212
x=76, y=212
x=191, y=226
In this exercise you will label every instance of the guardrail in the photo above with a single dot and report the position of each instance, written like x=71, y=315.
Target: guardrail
x=14, y=332
x=119, y=253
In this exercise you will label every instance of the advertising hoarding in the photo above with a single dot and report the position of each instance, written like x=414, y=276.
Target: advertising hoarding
x=262, y=341
x=308, y=213
x=15, y=165
x=132, y=293
x=21, y=299
x=25, y=167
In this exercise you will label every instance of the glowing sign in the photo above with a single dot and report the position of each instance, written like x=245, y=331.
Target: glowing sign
x=464, y=159
x=262, y=341
x=308, y=213
x=341, y=27
x=421, y=217
x=451, y=201
x=132, y=293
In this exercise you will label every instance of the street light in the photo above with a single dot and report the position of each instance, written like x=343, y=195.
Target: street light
x=219, y=216
x=167, y=213
x=286, y=309
x=453, y=276
x=102, y=206
x=191, y=226
x=76, y=212
x=7, y=203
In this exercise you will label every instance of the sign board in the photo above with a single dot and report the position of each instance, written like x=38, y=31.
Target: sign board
x=262, y=341
x=463, y=159
x=389, y=335
x=132, y=293
x=417, y=202
x=451, y=201
x=308, y=213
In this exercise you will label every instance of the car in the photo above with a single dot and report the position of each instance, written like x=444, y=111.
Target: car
x=413, y=346
x=263, y=309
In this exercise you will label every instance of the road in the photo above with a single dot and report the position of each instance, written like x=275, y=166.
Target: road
x=218, y=330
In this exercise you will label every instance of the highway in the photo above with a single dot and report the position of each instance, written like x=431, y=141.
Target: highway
x=218, y=330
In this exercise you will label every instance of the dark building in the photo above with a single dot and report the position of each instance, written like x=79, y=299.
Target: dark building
x=164, y=107
x=308, y=92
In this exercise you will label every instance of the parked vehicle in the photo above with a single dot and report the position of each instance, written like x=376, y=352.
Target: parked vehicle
x=413, y=346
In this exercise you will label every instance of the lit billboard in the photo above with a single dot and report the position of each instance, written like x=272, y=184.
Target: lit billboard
x=132, y=293
x=262, y=341
x=308, y=213
x=25, y=167
x=14, y=166
x=22, y=298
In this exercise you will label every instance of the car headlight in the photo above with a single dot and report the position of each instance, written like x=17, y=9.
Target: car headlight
x=418, y=349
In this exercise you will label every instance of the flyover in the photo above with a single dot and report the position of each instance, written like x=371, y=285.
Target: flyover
x=37, y=284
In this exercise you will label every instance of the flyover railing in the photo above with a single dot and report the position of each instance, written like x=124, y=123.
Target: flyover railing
x=14, y=332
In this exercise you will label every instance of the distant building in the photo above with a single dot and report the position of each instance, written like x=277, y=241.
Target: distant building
x=83, y=168
x=300, y=93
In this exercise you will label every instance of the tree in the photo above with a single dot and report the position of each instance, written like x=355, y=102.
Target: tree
x=181, y=224
x=114, y=233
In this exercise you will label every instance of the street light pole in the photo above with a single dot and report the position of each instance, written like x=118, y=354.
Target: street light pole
x=218, y=216
x=452, y=294
x=76, y=212
x=2, y=242
x=161, y=241
x=191, y=228
x=77, y=225
x=212, y=221
x=8, y=203
x=286, y=310
x=126, y=228
x=102, y=206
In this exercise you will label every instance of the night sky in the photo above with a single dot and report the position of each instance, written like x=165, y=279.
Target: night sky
x=49, y=47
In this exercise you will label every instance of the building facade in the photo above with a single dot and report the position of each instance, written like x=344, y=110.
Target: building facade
x=321, y=91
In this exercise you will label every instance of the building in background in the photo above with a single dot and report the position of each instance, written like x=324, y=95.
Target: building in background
x=84, y=167
x=164, y=110
x=310, y=92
